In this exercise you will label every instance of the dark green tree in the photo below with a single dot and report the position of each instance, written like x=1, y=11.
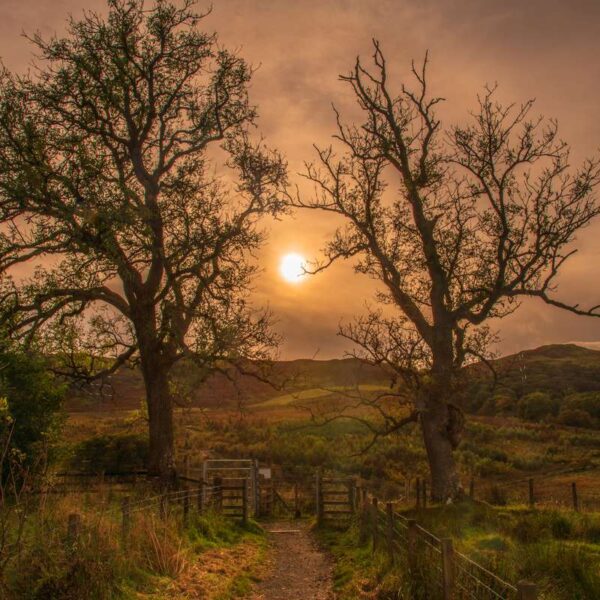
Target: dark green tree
x=129, y=178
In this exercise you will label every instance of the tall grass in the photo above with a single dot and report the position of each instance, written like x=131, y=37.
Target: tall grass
x=98, y=563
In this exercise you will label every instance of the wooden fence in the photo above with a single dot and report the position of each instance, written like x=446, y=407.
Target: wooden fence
x=228, y=498
x=543, y=491
x=436, y=570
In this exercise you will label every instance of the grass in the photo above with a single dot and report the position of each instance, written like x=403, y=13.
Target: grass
x=558, y=550
x=161, y=558
x=315, y=393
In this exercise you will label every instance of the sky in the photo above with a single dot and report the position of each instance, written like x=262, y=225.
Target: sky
x=542, y=49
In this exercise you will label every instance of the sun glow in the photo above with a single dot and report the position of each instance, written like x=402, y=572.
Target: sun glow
x=292, y=267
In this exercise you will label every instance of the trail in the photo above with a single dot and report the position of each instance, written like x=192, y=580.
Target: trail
x=298, y=569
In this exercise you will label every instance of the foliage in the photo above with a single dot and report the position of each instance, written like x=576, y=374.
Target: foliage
x=481, y=215
x=536, y=406
x=111, y=453
x=31, y=417
x=96, y=565
x=105, y=168
x=551, y=548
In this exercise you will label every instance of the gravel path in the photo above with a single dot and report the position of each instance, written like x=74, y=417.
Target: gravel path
x=299, y=570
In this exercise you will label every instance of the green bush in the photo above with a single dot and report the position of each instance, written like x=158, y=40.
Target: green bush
x=536, y=406
x=111, y=454
x=30, y=405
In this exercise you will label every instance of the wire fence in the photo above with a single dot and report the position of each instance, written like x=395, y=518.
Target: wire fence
x=436, y=570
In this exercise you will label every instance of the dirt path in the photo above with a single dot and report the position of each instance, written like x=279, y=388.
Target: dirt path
x=298, y=569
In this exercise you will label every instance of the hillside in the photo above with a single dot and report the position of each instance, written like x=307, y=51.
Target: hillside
x=126, y=390
x=558, y=369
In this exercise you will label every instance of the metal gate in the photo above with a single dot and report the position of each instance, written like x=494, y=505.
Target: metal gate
x=232, y=471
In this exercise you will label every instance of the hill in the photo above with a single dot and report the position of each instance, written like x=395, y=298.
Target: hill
x=125, y=389
x=558, y=370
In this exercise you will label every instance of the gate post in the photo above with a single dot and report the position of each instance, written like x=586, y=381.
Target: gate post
x=245, y=501
x=448, y=568
x=389, y=509
x=374, y=528
x=352, y=495
x=256, y=488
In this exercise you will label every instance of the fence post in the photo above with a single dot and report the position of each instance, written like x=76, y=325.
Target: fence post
x=418, y=493
x=575, y=497
x=424, y=485
x=531, y=494
x=389, y=509
x=319, y=498
x=186, y=466
x=73, y=527
x=186, y=505
x=200, y=497
x=472, y=488
x=526, y=591
x=245, y=502
x=448, y=568
x=411, y=546
x=364, y=517
x=125, y=517
x=256, y=488
x=374, y=528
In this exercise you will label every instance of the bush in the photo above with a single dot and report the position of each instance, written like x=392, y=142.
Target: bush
x=30, y=403
x=586, y=401
x=537, y=405
x=575, y=417
x=111, y=454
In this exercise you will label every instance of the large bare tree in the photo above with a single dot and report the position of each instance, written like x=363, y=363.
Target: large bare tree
x=141, y=241
x=457, y=224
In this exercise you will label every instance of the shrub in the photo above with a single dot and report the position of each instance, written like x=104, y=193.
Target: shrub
x=30, y=405
x=111, y=453
x=537, y=405
x=575, y=417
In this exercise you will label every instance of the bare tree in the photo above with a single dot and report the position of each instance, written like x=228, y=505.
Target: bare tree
x=107, y=186
x=457, y=224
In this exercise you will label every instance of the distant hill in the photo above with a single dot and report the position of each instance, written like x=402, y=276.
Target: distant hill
x=227, y=391
x=559, y=369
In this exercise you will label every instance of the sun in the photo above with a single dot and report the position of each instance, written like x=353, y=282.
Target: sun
x=292, y=267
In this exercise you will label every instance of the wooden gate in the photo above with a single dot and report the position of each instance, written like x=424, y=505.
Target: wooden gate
x=237, y=476
x=336, y=499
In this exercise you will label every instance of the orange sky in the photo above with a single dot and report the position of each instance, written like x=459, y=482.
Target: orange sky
x=547, y=49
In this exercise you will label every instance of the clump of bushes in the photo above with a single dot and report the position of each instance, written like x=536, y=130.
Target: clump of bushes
x=111, y=453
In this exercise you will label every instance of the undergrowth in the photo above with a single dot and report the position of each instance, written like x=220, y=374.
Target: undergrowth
x=558, y=550
x=41, y=561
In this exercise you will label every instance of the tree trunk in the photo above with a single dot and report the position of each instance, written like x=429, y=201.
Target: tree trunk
x=436, y=424
x=160, y=417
